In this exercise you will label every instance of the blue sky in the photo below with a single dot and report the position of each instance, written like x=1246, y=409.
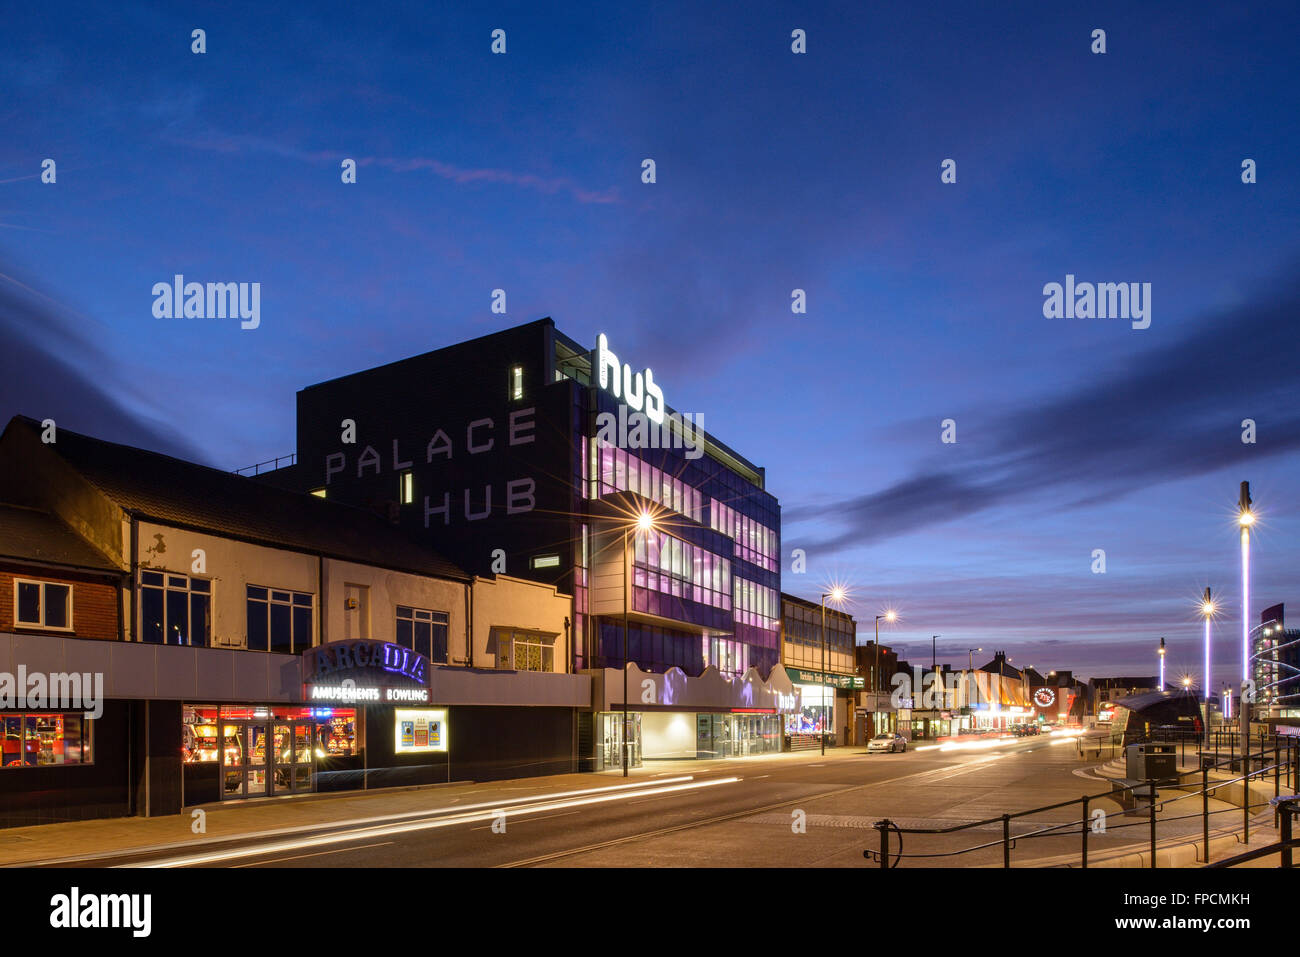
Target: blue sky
x=775, y=171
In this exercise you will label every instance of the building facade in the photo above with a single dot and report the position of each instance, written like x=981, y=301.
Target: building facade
x=1275, y=665
x=818, y=653
x=252, y=641
x=525, y=453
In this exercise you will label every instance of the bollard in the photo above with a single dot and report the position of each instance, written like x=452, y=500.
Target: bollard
x=1277, y=769
x=884, y=842
x=1152, y=785
x=1086, y=825
x=1287, y=809
x=1205, y=810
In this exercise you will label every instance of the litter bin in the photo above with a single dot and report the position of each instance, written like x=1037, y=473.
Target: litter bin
x=1158, y=762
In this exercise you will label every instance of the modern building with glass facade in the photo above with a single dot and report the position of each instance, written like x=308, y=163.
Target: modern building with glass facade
x=1275, y=664
x=526, y=453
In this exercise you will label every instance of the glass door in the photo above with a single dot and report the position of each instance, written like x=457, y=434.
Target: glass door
x=613, y=742
x=233, y=739
x=244, y=768
x=293, y=757
x=258, y=771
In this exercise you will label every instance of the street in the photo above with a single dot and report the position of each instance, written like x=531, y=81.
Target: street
x=800, y=809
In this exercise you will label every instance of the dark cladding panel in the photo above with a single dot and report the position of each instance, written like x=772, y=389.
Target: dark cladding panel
x=489, y=470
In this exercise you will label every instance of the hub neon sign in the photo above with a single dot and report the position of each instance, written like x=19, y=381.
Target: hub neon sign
x=637, y=390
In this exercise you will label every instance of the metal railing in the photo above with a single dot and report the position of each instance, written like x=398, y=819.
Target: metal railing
x=290, y=459
x=1276, y=745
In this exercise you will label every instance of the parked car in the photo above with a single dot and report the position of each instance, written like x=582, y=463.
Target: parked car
x=887, y=742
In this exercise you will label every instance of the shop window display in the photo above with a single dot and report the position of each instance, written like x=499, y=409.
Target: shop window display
x=40, y=740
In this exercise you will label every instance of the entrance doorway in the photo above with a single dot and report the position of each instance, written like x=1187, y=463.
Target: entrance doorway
x=610, y=747
x=249, y=768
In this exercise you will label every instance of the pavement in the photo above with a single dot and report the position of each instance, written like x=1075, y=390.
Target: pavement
x=800, y=809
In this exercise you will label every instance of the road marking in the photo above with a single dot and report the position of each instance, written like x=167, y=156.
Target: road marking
x=531, y=820
x=299, y=857
x=437, y=822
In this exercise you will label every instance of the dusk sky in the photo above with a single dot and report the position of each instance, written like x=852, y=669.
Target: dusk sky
x=775, y=171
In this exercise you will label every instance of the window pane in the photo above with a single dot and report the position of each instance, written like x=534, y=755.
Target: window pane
x=29, y=603
x=151, y=578
x=404, y=612
x=404, y=633
x=301, y=630
x=151, y=615
x=56, y=606
x=72, y=724
x=424, y=638
x=198, y=584
x=178, y=626
x=255, y=592
x=439, y=642
x=281, y=630
x=302, y=600
x=200, y=620
x=258, y=636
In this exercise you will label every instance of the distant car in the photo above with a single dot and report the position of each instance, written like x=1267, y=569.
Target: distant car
x=887, y=742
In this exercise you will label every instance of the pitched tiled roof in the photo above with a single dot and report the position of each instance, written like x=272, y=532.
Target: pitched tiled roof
x=173, y=491
x=32, y=535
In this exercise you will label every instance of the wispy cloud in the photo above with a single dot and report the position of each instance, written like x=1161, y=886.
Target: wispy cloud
x=216, y=141
x=51, y=368
x=1169, y=413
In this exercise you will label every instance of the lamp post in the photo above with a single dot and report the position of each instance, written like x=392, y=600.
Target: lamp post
x=1245, y=518
x=1207, y=610
x=1162, y=664
x=644, y=523
x=970, y=676
x=836, y=595
x=890, y=616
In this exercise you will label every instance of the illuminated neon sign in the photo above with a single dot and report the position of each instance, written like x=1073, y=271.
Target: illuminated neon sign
x=638, y=390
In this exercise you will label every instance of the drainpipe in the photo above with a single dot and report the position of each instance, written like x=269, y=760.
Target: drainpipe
x=469, y=622
x=324, y=603
x=131, y=573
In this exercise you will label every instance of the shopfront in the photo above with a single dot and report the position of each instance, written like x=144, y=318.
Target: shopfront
x=684, y=718
x=826, y=703
x=242, y=751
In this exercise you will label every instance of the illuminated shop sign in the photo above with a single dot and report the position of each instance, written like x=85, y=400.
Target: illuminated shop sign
x=348, y=692
x=365, y=671
x=1045, y=697
x=637, y=390
x=364, y=658
x=419, y=730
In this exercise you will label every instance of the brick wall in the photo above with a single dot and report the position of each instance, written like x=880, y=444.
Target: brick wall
x=94, y=602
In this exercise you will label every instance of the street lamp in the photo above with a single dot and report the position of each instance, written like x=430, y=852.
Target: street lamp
x=1208, y=609
x=970, y=676
x=1245, y=518
x=1162, y=664
x=836, y=595
x=891, y=616
x=644, y=523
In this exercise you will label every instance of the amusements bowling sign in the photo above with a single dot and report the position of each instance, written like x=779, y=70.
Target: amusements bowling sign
x=365, y=671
